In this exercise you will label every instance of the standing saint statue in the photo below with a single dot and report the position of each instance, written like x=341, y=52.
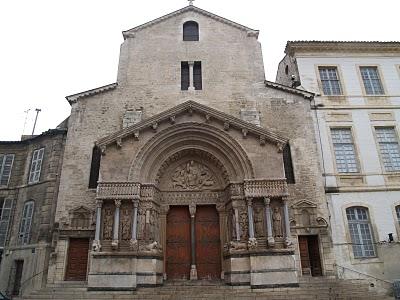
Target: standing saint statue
x=108, y=224
x=277, y=222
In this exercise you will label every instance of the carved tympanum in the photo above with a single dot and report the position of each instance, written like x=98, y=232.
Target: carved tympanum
x=192, y=176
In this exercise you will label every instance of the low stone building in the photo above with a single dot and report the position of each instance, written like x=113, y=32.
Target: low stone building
x=190, y=166
x=356, y=109
x=29, y=179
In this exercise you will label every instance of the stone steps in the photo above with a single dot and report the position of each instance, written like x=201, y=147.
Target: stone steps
x=314, y=288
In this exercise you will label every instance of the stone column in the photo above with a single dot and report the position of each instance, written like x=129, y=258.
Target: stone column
x=96, y=246
x=164, y=209
x=115, y=241
x=252, y=239
x=268, y=221
x=193, y=269
x=134, y=224
x=237, y=224
x=222, y=231
x=191, y=85
x=288, y=241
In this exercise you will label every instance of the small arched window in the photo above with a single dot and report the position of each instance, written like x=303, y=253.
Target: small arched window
x=190, y=31
x=360, y=232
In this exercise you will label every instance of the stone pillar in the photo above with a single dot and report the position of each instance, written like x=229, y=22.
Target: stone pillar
x=163, y=235
x=193, y=269
x=96, y=246
x=134, y=224
x=237, y=224
x=191, y=85
x=288, y=241
x=115, y=241
x=252, y=239
x=268, y=221
x=222, y=231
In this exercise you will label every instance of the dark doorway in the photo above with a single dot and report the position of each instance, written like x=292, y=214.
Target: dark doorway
x=19, y=265
x=309, y=255
x=178, y=243
x=77, y=259
x=208, y=258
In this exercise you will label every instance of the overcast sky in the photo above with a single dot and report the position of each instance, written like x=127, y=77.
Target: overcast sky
x=53, y=48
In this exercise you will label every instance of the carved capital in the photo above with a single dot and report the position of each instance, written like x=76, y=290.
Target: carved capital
x=135, y=203
x=267, y=201
x=192, y=210
x=99, y=203
x=117, y=203
x=285, y=199
x=249, y=201
x=164, y=209
x=220, y=207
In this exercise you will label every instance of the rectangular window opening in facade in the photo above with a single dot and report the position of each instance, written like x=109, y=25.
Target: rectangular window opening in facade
x=191, y=76
x=6, y=162
x=26, y=223
x=95, y=167
x=343, y=146
x=5, y=215
x=288, y=164
x=371, y=80
x=36, y=165
x=330, y=81
x=360, y=232
x=389, y=148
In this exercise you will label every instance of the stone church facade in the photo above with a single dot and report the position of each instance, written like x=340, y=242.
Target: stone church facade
x=205, y=170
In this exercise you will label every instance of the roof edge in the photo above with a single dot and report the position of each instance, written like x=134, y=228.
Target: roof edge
x=49, y=132
x=285, y=88
x=75, y=97
x=131, y=32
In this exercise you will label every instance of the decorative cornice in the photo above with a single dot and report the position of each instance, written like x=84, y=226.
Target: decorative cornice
x=75, y=97
x=185, y=107
x=266, y=188
x=285, y=88
x=250, y=32
x=335, y=46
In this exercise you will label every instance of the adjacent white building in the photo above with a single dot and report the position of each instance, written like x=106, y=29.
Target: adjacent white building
x=357, y=118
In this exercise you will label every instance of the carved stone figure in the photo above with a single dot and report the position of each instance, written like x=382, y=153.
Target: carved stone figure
x=252, y=243
x=96, y=246
x=259, y=221
x=244, y=223
x=192, y=175
x=126, y=219
x=153, y=247
x=141, y=223
x=236, y=246
x=108, y=223
x=277, y=222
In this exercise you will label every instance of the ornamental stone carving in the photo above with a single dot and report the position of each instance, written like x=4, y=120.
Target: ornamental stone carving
x=192, y=176
x=277, y=222
x=108, y=223
x=126, y=224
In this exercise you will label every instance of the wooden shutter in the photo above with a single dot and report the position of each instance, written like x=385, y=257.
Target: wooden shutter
x=184, y=76
x=5, y=214
x=197, y=79
x=288, y=165
x=95, y=167
x=36, y=165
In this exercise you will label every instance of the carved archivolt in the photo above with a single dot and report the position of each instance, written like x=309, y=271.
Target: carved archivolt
x=190, y=135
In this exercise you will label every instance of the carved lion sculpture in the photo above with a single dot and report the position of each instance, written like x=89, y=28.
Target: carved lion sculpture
x=237, y=246
x=153, y=247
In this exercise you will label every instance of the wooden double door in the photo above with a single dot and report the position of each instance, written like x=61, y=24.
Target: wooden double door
x=202, y=242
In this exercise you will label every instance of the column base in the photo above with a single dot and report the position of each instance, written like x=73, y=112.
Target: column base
x=193, y=272
x=271, y=241
x=288, y=242
x=96, y=246
x=114, y=244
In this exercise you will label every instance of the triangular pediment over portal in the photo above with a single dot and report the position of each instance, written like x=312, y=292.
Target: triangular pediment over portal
x=190, y=109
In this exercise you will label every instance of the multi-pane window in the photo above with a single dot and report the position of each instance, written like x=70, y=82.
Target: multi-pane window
x=344, y=149
x=190, y=31
x=330, y=80
x=5, y=214
x=36, y=165
x=389, y=148
x=398, y=213
x=6, y=162
x=26, y=222
x=360, y=232
x=371, y=80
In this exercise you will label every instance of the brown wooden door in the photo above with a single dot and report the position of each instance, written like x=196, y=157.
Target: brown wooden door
x=77, y=259
x=19, y=265
x=315, y=260
x=178, y=243
x=208, y=257
x=304, y=256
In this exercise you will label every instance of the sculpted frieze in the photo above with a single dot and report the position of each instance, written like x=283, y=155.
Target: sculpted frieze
x=188, y=197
